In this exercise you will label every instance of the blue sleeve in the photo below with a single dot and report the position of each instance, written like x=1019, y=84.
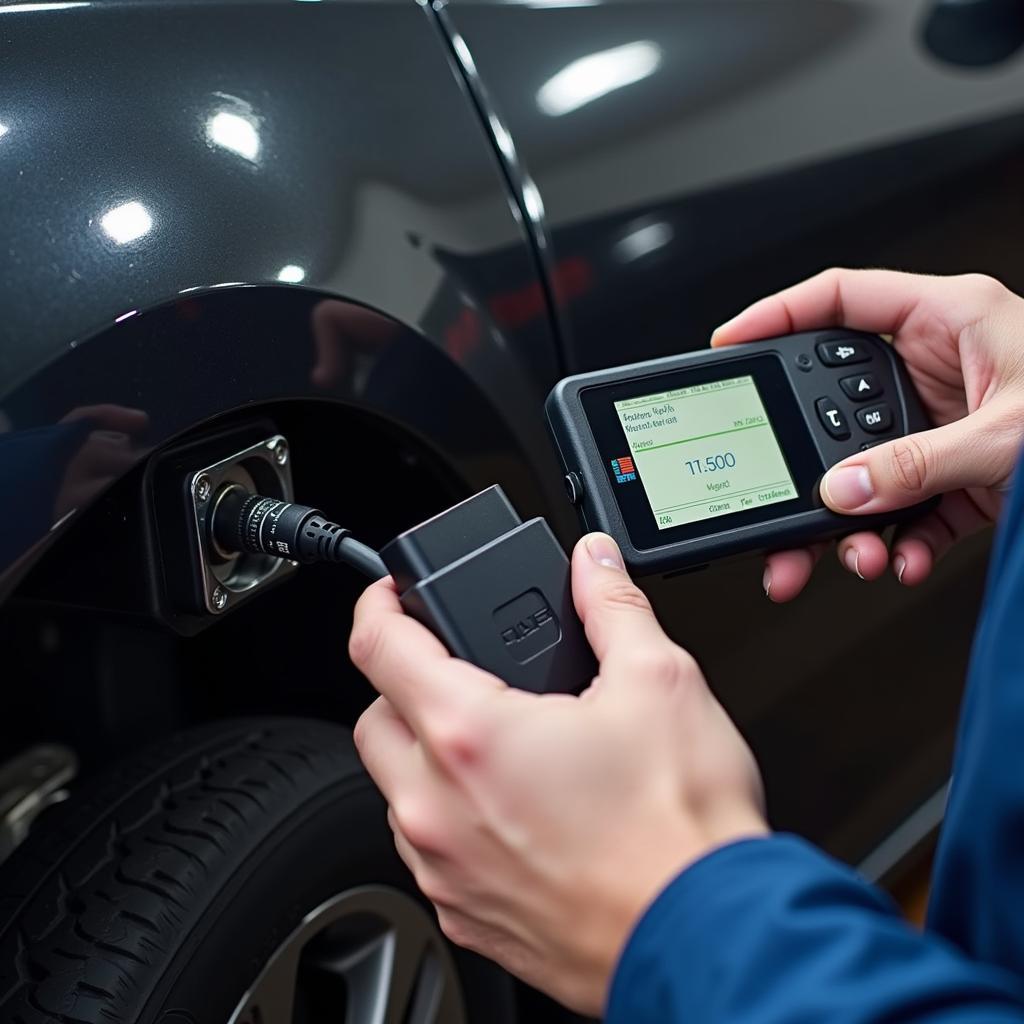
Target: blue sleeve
x=772, y=931
x=978, y=883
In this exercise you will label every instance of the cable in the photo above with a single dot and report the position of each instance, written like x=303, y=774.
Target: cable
x=242, y=521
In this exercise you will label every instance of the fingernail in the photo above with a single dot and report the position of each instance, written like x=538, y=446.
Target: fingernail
x=604, y=551
x=848, y=487
x=852, y=561
x=766, y=582
x=899, y=563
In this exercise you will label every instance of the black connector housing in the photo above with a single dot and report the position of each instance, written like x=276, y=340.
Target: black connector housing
x=497, y=591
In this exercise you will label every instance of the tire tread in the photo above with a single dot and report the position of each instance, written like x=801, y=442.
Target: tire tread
x=94, y=901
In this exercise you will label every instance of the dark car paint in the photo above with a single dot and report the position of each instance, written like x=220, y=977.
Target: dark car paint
x=414, y=176
x=412, y=220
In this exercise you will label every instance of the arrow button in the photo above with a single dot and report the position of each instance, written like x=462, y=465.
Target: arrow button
x=862, y=387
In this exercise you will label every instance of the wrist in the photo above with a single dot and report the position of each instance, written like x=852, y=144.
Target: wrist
x=667, y=860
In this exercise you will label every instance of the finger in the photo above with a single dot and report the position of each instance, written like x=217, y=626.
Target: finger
x=112, y=417
x=397, y=763
x=786, y=573
x=386, y=746
x=864, y=554
x=432, y=871
x=913, y=560
x=102, y=456
x=867, y=300
x=617, y=616
x=411, y=857
x=966, y=453
x=408, y=664
x=920, y=544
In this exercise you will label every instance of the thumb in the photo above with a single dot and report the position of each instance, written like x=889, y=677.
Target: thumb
x=616, y=614
x=976, y=451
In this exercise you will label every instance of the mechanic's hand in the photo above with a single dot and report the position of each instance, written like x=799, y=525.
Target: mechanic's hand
x=542, y=826
x=962, y=339
x=108, y=451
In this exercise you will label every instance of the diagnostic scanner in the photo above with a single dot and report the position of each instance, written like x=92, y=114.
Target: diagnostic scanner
x=699, y=456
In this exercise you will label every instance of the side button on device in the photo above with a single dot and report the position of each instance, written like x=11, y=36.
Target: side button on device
x=842, y=353
x=574, y=487
x=862, y=387
x=875, y=419
x=832, y=419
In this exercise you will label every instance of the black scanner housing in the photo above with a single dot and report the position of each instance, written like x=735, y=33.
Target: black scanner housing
x=497, y=591
x=792, y=377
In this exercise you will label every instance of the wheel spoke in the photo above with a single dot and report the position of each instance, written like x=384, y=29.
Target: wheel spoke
x=272, y=999
x=368, y=956
x=428, y=998
x=408, y=951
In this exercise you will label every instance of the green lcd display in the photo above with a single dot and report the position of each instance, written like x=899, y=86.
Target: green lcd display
x=704, y=451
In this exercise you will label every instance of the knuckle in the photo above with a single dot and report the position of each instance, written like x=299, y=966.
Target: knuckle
x=623, y=593
x=666, y=667
x=415, y=822
x=453, y=927
x=833, y=274
x=364, y=643
x=832, y=278
x=909, y=458
x=433, y=887
x=359, y=733
x=455, y=738
x=985, y=287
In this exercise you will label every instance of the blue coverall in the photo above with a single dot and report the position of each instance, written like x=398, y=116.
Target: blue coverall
x=767, y=931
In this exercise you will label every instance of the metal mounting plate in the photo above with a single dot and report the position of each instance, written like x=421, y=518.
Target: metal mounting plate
x=229, y=578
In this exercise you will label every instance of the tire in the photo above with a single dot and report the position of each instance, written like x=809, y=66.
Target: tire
x=160, y=894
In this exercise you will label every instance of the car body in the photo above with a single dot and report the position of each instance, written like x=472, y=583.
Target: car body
x=390, y=228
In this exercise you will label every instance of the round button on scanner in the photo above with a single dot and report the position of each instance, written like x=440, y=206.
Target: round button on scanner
x=875, y=419
x=574, y=487
x=804, y=362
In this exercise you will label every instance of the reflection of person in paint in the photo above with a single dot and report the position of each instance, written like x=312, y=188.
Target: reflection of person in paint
x=58, y=469
x=613, y=848
x=346, y=338
x=107, y=453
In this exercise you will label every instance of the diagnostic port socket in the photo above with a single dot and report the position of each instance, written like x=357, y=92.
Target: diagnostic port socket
x=200, y=578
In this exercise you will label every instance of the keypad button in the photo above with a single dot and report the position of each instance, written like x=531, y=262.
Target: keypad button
x=875, y=419
x=862, y=387
x=832, y=419
x=842, y=353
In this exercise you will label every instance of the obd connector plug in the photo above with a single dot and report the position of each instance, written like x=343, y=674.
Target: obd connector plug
x=497, y=591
